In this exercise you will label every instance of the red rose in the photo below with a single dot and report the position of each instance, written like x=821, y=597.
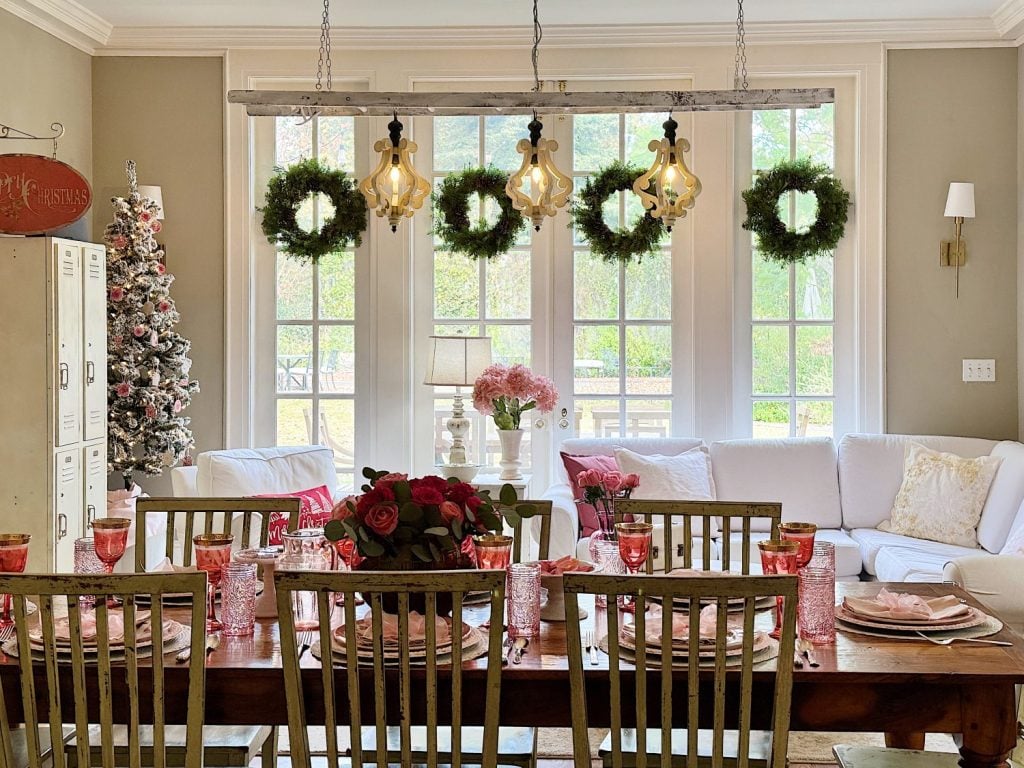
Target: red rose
x=372, y=497
x=424, y=495
x=460, y=492
x=451, y=511
x=474, y=502
x=382, y=518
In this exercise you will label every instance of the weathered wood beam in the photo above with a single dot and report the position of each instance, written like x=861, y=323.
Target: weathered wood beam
x=262, y=103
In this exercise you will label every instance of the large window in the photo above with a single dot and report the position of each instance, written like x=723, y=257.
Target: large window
x=314, y=372
x=792, y=309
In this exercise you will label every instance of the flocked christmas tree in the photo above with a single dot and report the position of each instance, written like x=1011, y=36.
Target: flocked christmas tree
x=147, y=361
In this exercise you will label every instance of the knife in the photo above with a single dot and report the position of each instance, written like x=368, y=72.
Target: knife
x=520, y=648
x=804, y=647
x=506, y=652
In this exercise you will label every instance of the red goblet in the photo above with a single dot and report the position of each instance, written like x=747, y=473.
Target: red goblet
x=779, y=557
x=110, y=535
x=13, y=557
x=634, y=549
x=213, y=552
x=803, y=533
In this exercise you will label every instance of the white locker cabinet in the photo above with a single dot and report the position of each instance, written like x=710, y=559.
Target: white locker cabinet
x=53, y=377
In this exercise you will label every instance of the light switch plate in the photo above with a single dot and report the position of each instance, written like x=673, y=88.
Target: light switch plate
x=979, y=370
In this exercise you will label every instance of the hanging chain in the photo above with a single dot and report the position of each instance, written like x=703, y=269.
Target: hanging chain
x=740, y=74
x=538, y=34
x=325, y=47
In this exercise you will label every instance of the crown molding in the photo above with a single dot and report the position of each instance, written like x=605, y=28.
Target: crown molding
x=214, y=40
x=1009, y=19
x=64, y=19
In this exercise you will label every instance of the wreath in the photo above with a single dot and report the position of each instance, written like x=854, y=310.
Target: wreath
x=775, y=241
x=287, y=190
x=453, y=225
x=587, y=215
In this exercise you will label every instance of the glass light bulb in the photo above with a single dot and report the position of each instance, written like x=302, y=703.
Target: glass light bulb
x=670, y=174
x=396, y=175
x=536, y=174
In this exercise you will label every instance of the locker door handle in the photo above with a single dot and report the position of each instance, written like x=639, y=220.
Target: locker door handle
x=90, y=515
x=90, y=372
x=65, y=376
x=62, y=525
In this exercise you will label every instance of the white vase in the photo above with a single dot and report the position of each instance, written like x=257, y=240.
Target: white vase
x=511, y=440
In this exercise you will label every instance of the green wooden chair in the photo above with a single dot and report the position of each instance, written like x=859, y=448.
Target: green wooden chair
x=392, y=694
x=658, y=743
x=521, y=527
x=697, y=517
x=116, y=687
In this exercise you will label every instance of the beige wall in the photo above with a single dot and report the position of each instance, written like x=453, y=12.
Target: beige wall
x=952, y=116
x=44, y=81
x=167, y=115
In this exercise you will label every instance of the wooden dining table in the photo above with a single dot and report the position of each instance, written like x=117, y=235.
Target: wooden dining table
x=903, y=687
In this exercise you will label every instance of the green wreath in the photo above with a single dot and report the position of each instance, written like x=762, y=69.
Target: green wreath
x=587, y=215
x=287, y=190
x=775, y=241
x=453, y=222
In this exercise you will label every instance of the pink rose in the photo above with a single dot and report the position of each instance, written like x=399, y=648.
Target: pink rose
x=630, y=481
x=588, y=478
x=344, y=509
x=382, y=518
x=612, y=481
x=390, y=479
x=451, y=511
x=116, y=294
x=123, y=389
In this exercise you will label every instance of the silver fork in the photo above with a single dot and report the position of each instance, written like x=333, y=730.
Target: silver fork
x=588, y=641
x=306, y=641
x=6, y=633
x=951, y=640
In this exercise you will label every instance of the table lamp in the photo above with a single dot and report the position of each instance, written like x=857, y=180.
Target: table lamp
x=457, y=361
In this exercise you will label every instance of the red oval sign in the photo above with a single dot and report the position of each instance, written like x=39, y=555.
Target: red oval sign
x=39, y=194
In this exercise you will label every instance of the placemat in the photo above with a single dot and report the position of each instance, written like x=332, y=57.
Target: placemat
x=767, y=654
x=989, y=627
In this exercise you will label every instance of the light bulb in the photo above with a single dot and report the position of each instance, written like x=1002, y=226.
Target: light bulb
x=536, y=174
x=396, y=175
x=670, y=175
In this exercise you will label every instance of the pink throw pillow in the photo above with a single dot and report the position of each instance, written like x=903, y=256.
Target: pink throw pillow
x=314, y=512
x=573, y=466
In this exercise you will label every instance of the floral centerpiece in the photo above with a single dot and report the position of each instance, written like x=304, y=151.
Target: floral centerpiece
x=398, y=521
x=600, y=490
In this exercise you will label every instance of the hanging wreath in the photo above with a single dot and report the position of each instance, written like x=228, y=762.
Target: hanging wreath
x=776, y=241
x=287, y=190
x=621, y=244
x=453, y=225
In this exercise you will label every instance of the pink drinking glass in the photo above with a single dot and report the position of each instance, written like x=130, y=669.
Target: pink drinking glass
x=779, y=557
x=634, y=548
x=493, y=551
x=803, y=533
x=213, y=552
x=13, y=558
x=110, y=537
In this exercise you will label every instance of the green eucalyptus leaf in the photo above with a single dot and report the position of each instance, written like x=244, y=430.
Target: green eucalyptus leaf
x=526, y=510
x=369, y=473
x=364, y=534
x=437, y=531
x=457, y=529
x=350, y=529
x=470, y=515
x=334, y=530
x=508, y=495
x=410, y=512
x=512, y=517
x=421, y=552
x=403, y=492
x=435, y=553
x=371, y=549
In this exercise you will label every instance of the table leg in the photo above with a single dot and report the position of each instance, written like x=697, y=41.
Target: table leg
x=904, y=740
x=989, y=715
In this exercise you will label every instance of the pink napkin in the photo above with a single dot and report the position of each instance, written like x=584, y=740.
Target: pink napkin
x=680, y=625
x=389, y=626
x=900, y=605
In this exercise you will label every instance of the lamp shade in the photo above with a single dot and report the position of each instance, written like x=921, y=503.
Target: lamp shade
x=457, y=361
x=960, y=200
x=156, y=195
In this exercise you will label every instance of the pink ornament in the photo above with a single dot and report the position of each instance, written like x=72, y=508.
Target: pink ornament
x=124, y=389
x=145, y=216
x=156, y=226
x=116, y=293
x=120, y=241
x=164, y=306
x=151, y=411
x=139, y=331
x=160, y=268
x=153, y=339
x=178, y=406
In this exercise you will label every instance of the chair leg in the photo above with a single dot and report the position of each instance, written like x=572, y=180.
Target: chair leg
x=268, y=754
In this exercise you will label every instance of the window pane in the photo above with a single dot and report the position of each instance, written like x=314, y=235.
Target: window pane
x=293, y=141
x=814, y=360
x=456, y=142
x=640, y=130
x=596, y=287
x=456, y=286
x=648, y=360
x=508, y=286
x=648, y=418
x=293, y=420
x=510, y=344
x=649, y=288
x=501, y=135
x=595, y=141
x=454, y=329
x=294, y=289
x=337, y=142
x=806, y=210
x=597, y=418
x=597, y=359
x=337, y=358
x=814, y=418
x=338, y=286
x=771, y=360
x=770, y=291
x=294, y=353
x=814, y=289
x=337, y=430
x=771, y=418
x=634, y=212
x=770, y=137
x=304, y=216
x=814, y=134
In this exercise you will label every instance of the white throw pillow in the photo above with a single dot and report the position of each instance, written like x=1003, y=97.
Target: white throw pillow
x=684, y=477
x=942, y=496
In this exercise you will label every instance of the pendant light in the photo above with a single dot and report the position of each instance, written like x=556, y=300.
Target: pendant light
x=668, y=188
x=395, y=189
x=538, y=188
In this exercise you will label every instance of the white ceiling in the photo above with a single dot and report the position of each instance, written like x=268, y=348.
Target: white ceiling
x=431, y=13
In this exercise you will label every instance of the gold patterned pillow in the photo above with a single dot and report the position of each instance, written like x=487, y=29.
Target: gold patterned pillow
x=942, y=496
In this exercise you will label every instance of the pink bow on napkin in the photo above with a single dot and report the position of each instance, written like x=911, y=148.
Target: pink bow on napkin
x=417, y=629
x=681, y=624
x=900, y=605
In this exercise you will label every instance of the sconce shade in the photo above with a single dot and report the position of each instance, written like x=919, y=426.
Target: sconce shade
x=457, y=361
x=960, y=200
x=156, y=195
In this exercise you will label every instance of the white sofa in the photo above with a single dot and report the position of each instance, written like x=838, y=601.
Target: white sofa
x=847, y=491
x=252, y=471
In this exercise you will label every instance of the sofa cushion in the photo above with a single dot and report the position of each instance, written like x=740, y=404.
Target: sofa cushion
x=314, y=512
x=1015, y=539
x=872, y=540
x=871, y=471
x=252, y=471
x=799, y=472
x=573, y=464
x=685, y=477
x=848, y=560
x=605, y=446
x=1004, y=497
x=907, y=564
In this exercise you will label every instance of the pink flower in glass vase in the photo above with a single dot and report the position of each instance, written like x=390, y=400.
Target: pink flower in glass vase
x=630, y=481
x=589, y=478
x=612, y=481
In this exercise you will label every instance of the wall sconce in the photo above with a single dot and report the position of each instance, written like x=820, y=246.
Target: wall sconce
x=959, y=206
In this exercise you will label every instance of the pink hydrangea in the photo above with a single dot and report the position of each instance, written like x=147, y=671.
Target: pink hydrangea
x=506, y=392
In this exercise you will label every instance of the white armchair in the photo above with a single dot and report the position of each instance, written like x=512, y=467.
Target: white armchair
x=995, y=581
